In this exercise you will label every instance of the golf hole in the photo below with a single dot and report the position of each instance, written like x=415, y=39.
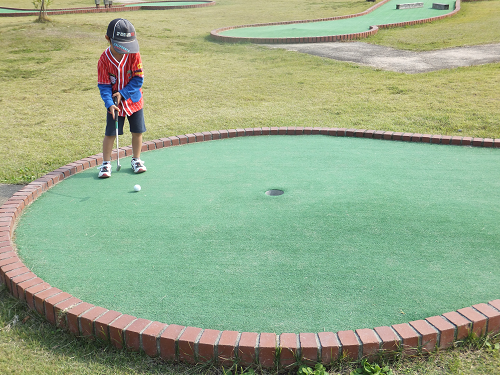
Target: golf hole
x=274, y=192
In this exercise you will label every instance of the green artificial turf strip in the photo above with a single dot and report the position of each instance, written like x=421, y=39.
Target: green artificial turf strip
x=385, y=14
x=167, y=3
x=367, y=233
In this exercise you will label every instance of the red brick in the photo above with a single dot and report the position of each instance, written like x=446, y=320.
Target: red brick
x=369, y=134
x=60, y=311
x=492, y=314
x=308, y=347
x=477, y=142
x=215, y=134
x=224, y=134
x=183, y=139
x=168, y=340
x=150, y=338
x=456, y=141
x=241, y=132
x=133, y=334
x=478, y=320
x=446, y=139
x=116, y=329
x=226, y=347
x=13, y=260
x=231, y=133
x=330, y=347
x=466, y=141
x=495, y=304
x=267, y=349
x=87, y=320
x=390, y=340
x=30, y=292
x=72, y=316
x=407, y=137
x=39, y=298
x=409, y=336
x=397, y=136
x=359, y=133
x=246, y=348
x=446, y=331
x=299, y=130
x=274, y=130
x=350, y=132
x=282, y=130
x=191, y=138
x=14, y=273
x=186, y=344
x=369, y=341
x=428, y=339
x=51, y=302
x=463, y=325
x=266, y=131
x=15, y=281
x=101, y=324
x=206, y=345
x=387, y=135
x=350, y=344
x=488, y=142
x=288, y=345
x=426, y=138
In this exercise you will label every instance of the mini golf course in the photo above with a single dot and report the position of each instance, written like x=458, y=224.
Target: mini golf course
x=157, y=5
x=382, y=15
x=373, y=244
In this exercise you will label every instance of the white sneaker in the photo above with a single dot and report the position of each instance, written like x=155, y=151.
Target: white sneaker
x=138, y=166
x=104, y=170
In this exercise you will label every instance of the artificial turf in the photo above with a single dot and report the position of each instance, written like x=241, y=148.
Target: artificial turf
x=367, y=233
x=385, y=14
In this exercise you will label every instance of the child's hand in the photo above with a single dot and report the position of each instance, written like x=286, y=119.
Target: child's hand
x=117, y=97
x=112, y=109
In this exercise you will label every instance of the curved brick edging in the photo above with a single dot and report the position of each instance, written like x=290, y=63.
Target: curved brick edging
x=195, y=345
x=330, y=38
x=114, y=8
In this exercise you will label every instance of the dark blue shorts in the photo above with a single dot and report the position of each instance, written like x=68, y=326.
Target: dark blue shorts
x=136, y=122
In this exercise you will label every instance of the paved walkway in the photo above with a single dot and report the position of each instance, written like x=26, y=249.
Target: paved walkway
x=387, y=58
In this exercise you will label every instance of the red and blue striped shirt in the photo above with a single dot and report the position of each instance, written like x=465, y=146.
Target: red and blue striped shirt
x=125, y=76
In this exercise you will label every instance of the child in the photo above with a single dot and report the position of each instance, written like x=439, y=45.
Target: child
x=120, y=78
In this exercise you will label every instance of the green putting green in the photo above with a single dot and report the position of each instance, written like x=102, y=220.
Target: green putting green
x=367, y=233
x=385, y=14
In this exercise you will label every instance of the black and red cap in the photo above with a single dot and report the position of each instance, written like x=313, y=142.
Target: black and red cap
x=122, y=35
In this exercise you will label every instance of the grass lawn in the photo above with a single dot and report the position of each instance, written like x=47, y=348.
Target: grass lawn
x=53, y=115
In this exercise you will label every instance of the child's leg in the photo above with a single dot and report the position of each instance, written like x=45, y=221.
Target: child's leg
x=107, y=147
x=136, y=145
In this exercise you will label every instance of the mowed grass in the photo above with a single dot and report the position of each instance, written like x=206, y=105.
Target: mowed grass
x=53, y=113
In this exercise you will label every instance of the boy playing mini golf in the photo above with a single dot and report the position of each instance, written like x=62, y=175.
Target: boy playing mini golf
x=120, y=78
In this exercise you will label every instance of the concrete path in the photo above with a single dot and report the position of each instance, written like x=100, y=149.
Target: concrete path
x=395, y=60
x=6, y=191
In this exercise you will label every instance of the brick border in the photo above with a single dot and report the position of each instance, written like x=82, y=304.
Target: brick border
x=114, y=8
x=198, y=345
x=215, y=34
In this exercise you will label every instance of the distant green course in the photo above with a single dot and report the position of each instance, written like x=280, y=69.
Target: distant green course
x=168, y=3
x=383, y=15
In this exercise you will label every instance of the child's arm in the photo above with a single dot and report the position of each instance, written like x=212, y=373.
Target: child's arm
x=132, y=89
x=106, y=94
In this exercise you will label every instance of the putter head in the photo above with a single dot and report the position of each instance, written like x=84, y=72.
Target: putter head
x=118, y=167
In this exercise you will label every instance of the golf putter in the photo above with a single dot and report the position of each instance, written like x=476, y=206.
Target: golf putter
x=118, y=166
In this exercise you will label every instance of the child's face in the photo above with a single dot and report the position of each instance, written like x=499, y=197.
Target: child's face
x=116, y=54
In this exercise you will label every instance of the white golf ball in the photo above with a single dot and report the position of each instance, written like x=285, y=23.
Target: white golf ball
x=137, y=187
